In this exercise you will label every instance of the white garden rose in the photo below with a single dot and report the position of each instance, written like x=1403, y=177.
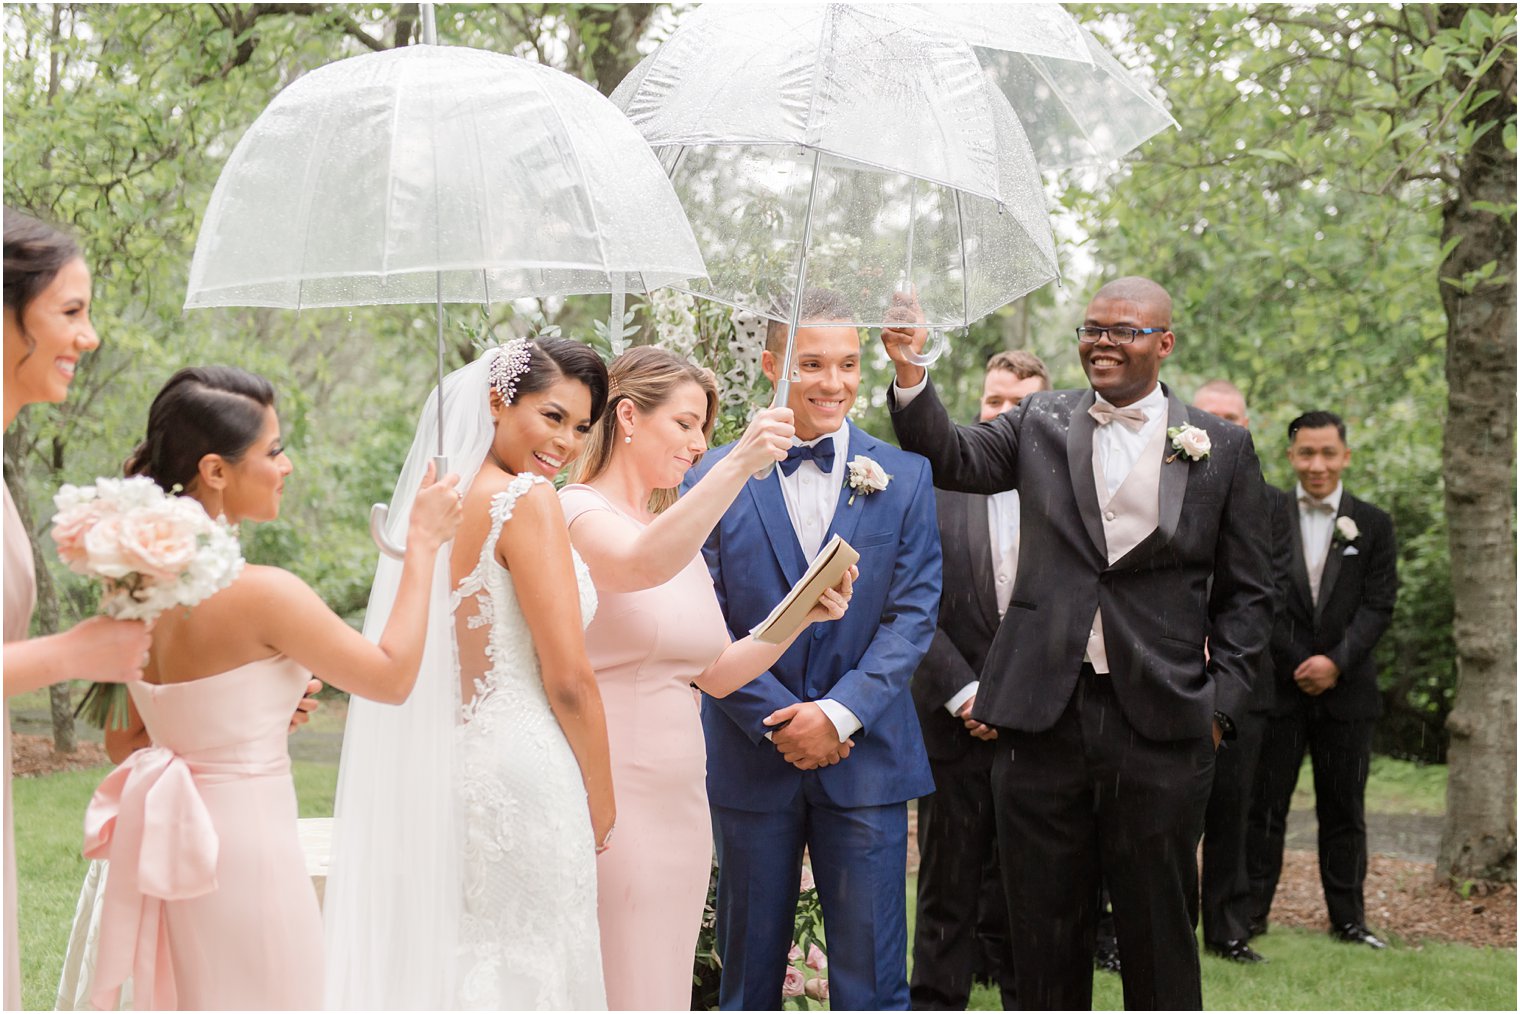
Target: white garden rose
x=866, y=477
x=1347, y=529
x=1195, y=442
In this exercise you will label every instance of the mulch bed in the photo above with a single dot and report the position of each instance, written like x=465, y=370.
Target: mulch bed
x=33, y=755
x=1404, y=900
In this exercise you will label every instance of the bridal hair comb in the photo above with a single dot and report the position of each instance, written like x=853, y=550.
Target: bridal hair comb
x=511, y=362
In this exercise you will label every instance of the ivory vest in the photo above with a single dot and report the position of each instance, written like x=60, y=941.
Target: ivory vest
x=1129, y=517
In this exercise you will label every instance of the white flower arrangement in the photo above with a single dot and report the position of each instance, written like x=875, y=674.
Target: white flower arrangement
x=1346, y=531
x=1189, y=440
x=866, y=477
x=149, y=550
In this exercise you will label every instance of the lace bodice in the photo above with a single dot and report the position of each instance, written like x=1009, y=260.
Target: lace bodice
x=494, y=642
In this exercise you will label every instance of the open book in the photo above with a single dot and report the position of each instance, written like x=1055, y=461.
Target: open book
x=828, y=568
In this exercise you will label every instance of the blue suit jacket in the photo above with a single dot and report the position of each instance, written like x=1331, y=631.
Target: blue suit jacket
x=864, y=661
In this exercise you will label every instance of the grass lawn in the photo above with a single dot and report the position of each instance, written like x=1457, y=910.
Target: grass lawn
x=1306, y=970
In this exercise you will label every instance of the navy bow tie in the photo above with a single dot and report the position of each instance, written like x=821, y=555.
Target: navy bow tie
x=822, y=453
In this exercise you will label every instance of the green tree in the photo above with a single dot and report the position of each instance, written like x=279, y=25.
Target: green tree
x=1335, y=216
x=119, y=118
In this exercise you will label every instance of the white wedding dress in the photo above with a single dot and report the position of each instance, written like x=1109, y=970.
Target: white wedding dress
x=528, y=937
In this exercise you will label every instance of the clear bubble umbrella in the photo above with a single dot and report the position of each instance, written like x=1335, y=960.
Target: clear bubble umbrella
x=870, y=149
x=433, y=174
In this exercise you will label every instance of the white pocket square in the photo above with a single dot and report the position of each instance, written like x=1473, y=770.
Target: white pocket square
x=1351, y=551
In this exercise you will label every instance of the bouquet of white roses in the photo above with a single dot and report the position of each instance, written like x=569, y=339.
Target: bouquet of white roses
x=150, y=550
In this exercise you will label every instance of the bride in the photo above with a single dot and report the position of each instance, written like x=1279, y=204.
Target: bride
x=463, y=870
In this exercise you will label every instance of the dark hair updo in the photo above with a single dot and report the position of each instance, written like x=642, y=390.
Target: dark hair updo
x=201, y=410
x=34, y=254
x=553, y=358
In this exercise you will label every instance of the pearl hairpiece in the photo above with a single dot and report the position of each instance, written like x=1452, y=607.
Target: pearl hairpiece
x=511, y=362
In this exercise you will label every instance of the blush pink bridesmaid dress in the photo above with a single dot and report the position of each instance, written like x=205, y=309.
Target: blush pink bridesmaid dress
x=20, y=597
x=646, y=648
x=208, y=905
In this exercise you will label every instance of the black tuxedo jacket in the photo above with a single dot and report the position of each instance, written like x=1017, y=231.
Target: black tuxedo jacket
x=1357, y=592
x=1158, y=601
x=968, y=619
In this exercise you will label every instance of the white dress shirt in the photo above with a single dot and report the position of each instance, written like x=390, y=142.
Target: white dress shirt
x=1316, y=528
x=1118, y=447
x=811, y=497
x=1003, y=532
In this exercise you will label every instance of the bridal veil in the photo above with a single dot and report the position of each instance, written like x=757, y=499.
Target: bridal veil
x=392, y=903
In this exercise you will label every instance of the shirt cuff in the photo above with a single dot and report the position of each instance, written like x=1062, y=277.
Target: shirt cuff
x=903, y=396
x=843, y=718
x=954, y=704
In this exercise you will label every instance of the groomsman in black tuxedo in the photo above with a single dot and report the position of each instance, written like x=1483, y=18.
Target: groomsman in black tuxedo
x=1226, y=893
x=1338, y=603
x=957, y=835
x=1143, y=531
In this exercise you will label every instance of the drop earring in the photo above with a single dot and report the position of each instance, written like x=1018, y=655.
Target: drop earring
x=628, y=438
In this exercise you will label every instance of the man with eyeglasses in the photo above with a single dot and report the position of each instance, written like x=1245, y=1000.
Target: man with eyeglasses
x=1143, y=529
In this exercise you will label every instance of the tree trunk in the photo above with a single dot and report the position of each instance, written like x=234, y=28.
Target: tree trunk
x=1479, y=838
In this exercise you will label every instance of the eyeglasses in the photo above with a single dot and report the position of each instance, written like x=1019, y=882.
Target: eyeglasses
x=1117, y=335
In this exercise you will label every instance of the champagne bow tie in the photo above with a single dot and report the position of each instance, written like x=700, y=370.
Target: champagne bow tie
x=1310, y=504
x=1105, y=413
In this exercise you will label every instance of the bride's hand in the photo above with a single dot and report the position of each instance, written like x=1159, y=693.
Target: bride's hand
x=765, y=441
x=436, y=512
x=835, y=601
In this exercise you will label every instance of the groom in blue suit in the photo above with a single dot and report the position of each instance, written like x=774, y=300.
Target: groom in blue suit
x=824, y=750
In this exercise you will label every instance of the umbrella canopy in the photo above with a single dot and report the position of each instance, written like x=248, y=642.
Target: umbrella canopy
x=866, y=149
x=437, y=173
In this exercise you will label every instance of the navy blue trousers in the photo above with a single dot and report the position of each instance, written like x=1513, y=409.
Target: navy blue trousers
x=859, y=860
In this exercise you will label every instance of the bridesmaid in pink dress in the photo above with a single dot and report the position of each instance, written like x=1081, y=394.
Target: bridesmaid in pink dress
x=657, y=632
x=208, y=905
x=47, y=330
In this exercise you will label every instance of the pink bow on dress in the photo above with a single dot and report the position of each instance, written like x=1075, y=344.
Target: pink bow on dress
x=149, y=820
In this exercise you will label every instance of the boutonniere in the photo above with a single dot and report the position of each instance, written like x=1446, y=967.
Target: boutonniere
x=1346, y=531
x=1190, y=440
x=866, y=477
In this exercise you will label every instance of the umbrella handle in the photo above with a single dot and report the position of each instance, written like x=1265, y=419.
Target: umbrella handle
x=379, y=515
x=938, y=344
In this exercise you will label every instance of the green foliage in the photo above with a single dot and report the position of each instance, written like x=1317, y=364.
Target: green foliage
x=119, y=118
x=1295, y=217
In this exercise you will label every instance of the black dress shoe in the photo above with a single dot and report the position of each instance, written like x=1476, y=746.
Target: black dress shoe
x=1356, y=933
x=1235, y=950
x=1256, y=927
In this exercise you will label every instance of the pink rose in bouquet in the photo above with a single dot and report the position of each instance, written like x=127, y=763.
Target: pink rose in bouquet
x=148, y=549
x=795, y=954
x=816, y=959
x=817, y=988
x=793, y=984
x=807, y=883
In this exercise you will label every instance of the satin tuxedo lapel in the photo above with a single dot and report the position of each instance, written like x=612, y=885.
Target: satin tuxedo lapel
x=1174, y=475
x=979, y=542
x=1332, y=560
x=1300, y=568
x=771, y=508
x=1079, y=461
